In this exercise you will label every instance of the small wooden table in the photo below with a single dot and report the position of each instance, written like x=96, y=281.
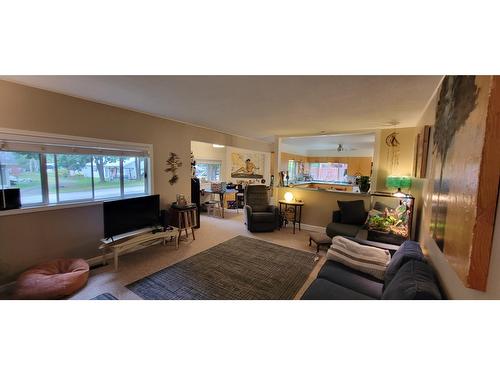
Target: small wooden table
x=136, y=241
x=186, y=219
x=297, y=211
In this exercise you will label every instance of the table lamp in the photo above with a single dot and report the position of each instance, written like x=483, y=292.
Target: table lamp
x=399, y=182
x=288, y=197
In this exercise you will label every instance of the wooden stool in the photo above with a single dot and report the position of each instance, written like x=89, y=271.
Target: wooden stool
x=186, y=219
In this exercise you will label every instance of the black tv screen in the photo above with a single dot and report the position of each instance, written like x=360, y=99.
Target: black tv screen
x=126, y=215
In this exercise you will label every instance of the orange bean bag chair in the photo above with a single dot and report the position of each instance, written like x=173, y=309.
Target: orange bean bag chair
x=52, y=280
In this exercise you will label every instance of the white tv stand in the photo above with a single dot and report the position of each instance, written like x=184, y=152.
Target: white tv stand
x=136, y=240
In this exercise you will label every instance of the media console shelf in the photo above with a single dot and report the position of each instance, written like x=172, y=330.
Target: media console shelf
x=135, y=241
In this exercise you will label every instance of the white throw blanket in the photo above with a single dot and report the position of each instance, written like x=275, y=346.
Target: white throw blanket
x=367, y=259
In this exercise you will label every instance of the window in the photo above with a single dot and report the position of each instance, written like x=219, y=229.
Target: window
x=332, y=172
x=292, y=170
x=134, y=175
x=71, y=183
x=208, y=170
x=22, y=170
x=54, y=173
x=107, y=176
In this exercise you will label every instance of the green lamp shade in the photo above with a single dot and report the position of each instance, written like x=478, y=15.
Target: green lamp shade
x=398, y=182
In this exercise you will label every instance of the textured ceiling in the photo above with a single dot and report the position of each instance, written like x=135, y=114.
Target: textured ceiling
x=259, y=107
x=326, y=145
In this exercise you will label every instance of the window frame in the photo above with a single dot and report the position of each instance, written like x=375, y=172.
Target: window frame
x=213, y=162
x=39, y=142
x=331, y=163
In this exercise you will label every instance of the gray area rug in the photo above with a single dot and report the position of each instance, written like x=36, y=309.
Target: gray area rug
x=240, y=268
x=104, y=297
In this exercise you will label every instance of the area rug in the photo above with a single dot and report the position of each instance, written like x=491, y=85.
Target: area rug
x=240, y=268
x=104, y=297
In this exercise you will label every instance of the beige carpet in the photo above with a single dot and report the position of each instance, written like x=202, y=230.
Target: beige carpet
x=136, y=265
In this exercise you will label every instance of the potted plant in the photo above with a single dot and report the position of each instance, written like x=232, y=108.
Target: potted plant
x=364, y=184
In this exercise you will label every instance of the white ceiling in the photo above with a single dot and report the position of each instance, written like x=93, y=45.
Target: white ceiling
x=326, y=145
x=258, y=107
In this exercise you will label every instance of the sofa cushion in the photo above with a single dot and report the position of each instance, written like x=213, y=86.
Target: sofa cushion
x=407, y=251
x=322, y=289
x=353, y=212
x=263, y=217
x=414, y=280
x=339, y=229
x=352, y=279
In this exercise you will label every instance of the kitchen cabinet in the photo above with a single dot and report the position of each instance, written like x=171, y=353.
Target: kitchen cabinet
x=359, y=166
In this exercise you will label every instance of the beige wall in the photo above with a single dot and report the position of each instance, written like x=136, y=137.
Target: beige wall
x=406, y=138
x=319, y=205
x=450, y=281
x=285, y=157
x=32, y=109
x=266, y=172
x=206, y=151
x=28, y=239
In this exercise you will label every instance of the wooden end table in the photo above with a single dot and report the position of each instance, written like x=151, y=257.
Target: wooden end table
x=186, y=219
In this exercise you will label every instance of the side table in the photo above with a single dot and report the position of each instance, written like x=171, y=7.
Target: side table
x=297, y=211
x=184, y=218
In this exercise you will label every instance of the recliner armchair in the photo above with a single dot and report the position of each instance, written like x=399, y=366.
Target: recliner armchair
x=260, y=216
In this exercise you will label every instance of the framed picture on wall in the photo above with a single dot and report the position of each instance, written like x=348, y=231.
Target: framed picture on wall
x=422, y=152
x=462, y=193
x=418, y=155
x=247, y=165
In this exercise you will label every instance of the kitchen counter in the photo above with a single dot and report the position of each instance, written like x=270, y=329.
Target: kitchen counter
x=340, y=187
x=320, y=203
x=320, y=183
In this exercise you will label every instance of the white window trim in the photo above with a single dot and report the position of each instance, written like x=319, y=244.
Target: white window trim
x=208, y=161
x=41, y=138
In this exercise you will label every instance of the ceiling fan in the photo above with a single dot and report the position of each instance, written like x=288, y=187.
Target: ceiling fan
x=342, y=147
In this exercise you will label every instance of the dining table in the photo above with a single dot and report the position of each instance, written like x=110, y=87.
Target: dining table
x=221, y=194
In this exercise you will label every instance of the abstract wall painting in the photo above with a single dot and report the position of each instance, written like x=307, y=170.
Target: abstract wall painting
x=464, y=184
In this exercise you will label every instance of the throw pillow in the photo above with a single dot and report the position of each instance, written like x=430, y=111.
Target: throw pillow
x=409, y=250
x=414, y=280
x=352, y=212
x=370, y=260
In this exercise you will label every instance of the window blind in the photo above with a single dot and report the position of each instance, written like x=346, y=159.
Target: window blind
x=61, y=145
x=69, y=149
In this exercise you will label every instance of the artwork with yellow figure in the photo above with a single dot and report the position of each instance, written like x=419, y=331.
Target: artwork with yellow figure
x=246, y=165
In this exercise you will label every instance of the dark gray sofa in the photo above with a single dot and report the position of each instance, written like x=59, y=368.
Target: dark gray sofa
x=337, y=228
x=348, y=220
x=260, y=216
x=408, y=276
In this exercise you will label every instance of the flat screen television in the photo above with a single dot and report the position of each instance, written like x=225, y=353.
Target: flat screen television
x=126, y=215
